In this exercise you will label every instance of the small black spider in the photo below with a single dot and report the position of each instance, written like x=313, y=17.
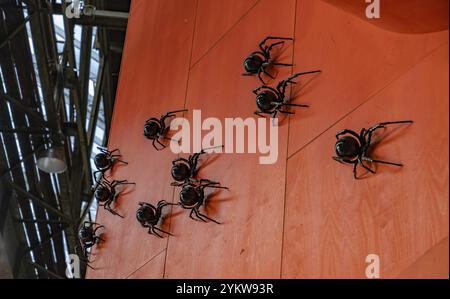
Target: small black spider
x=154, y=128
x=104, y=161
x=257, y=61
x=192, y=197
x=352, y=148
x=270, y=100
x=88, y=237
x=105, y=193
x=148, y=216
x=185, y=170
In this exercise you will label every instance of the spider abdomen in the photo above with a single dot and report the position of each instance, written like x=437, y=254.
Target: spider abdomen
x=253, y=63
x=151, y=130
x=265, y=100
x=86, y=235
x=146, y=215
x=180, y=172
x=101, y=161
x=102, y=194
x=347, y=147
x=189, y=197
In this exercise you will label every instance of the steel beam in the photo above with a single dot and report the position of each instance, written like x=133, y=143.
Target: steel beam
x=40, y=202
x=45, y=270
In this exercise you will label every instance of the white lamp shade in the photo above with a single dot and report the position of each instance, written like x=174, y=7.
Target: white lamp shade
x=52, y=160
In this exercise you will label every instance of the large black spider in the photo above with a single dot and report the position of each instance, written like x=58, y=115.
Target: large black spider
x=185, y=170
x=257, y=61
x=105, y=193
x=154, y=128
x=270, y=100
x=148, y=216
x=88, y=237
x=192, y=197
x=352, y=148
x=104, y=161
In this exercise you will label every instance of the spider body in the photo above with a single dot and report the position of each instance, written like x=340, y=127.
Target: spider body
x=155, y=129
x=192, y=197
x=353, y=148
x=266, y=100
x=348, y=147
x=256, y=62
x=148, y=216
x=104, y=161
x=88, y=237
x=185, y=170
x=253, y=63
x=271, y=100
x=106, y=193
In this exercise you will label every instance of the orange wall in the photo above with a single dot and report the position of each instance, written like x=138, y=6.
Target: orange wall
x=304, y=216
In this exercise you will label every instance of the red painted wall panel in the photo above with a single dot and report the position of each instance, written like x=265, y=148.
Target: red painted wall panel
x=304, y=216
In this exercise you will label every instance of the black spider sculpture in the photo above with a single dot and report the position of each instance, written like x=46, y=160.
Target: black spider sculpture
x=105, y=193
x=192, y=196
x=104, y=161
x=352, y=148
x=149, y=215
x=270, y=100
x=88, y=237
x=154, y=128
x=257, y=61
x=185, y=170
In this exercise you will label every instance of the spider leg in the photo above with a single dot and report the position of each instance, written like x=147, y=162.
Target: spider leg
x=190, y=215
x=104, y=150
x=178, y=160
x=114, y=157
x=216, y=187
x=108, y=208
x=382, y=162
x=97, y=180
x=394, y=122
x=163, y=231
x=260, y=77
x=286, y=112
x=197, y=213
x=342, y=160
x=171, y=139
x=163, y=146
x=273, y=45
x=208, y=182
x=202, y=215
x=354, y=171
x=301, y=74
x=360, y=160
x=263, y=69
x=116, y=183
x=97, y=228
x=262, y=43
x=170, y=114
x=153, y=119
x=347, y=131
x=153, y=231
x=282, y=64
x=153, y=143
x=296, y=105
x=260, y=113
x=255, y=91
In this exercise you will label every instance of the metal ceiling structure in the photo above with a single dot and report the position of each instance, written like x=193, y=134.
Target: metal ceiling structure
x=58, y=79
